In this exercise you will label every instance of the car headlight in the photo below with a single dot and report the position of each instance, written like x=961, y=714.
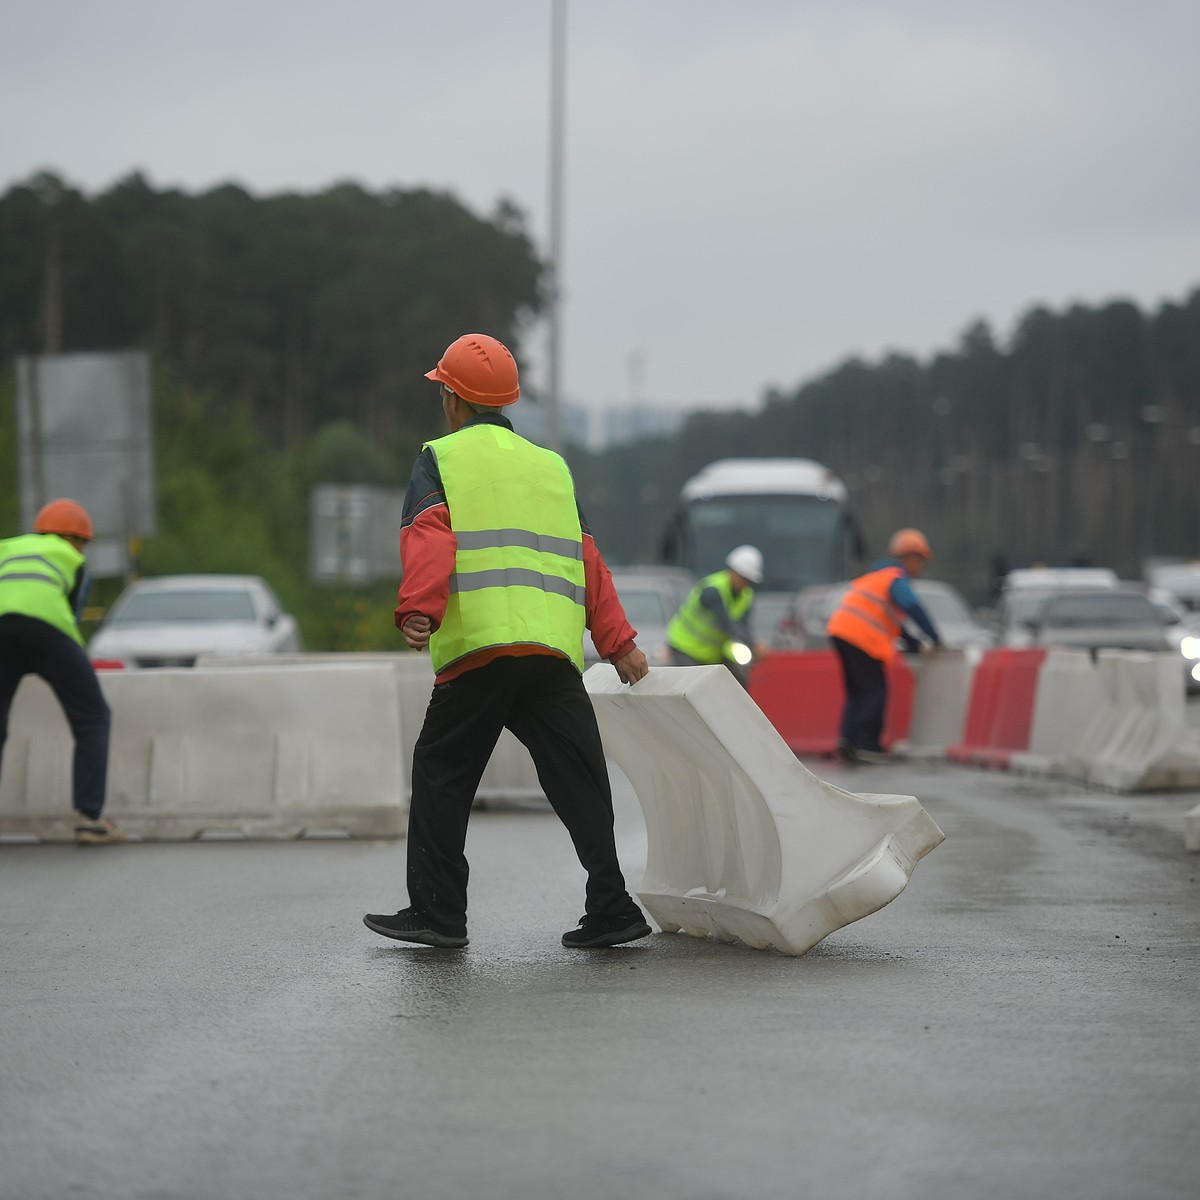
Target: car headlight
x=1189, y=647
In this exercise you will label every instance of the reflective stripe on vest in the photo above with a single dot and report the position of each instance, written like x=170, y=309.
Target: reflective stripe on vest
x=518, y=574
x=866, y=617
x=37, y=574
x=694, y=629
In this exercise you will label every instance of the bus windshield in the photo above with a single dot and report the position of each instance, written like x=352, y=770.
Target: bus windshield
x=802, y=538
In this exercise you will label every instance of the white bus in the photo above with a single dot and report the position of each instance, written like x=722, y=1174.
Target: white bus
x=793, y=509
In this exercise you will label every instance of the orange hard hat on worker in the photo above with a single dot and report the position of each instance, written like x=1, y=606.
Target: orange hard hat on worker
x=479, y=369
x=909, y=541
x=67, y=518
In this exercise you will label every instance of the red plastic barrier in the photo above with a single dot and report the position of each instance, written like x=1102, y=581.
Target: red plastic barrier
x=107, y=664
x=1000, y=711
x=801, y=693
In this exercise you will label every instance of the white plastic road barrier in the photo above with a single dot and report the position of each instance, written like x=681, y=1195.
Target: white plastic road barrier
x=1191, y=829
x=510, y=773
x=263, y=752
x=1067, y=703
x=743, y=842
x=1139, y=738
x=941, y=695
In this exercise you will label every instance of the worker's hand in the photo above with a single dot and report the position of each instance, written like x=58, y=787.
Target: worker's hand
x=632, y=666
x=416, y=631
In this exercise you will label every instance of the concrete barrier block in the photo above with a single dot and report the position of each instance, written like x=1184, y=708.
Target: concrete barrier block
x=260, y=752
x=510, y=773
x=743, y=842
x=1191, y=829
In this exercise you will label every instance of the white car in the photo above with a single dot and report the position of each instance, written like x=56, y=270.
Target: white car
x=170, y=620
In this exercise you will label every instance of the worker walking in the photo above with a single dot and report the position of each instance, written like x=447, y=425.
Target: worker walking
x=43, y=585
x=501, y=575
x=713, y=624
x=864, y=630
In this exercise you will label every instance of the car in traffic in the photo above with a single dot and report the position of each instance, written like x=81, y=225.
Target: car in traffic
x=802, y=627
x=952, y=616
x=650, y=596
x=1025, y=591
x=1118, y=618
x=170, y=620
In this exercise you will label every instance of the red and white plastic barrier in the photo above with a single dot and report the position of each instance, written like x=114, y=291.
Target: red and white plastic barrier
x=1000, y=712
x=802, y=695
x=942, y=692
x=1117, y=721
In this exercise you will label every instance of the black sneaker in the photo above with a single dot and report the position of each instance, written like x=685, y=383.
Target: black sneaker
x=846, y=751
x=606, y=931
x=96, y=831
x=879, y=757
x=410, y=926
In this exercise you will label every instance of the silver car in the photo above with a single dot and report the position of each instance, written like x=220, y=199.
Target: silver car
x=170, y=620
x=951, y=616
x=1122, y=618
x=650, y=596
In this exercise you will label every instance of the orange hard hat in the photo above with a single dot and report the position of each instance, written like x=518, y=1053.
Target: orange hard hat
x=909, y=541
x=64, y=517
x=479, y=369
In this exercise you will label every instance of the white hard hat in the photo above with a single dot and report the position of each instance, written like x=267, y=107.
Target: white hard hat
x=747, y=561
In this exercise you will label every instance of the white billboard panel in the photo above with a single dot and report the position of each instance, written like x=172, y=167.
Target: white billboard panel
x=354, y=533
x=84, y=431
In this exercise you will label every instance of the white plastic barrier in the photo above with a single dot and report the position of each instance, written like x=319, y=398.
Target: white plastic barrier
x=1066, y=704
x=743, y=842
x=1138, y=738
x=941, y=694
x=510, y=773
x=264, y=752
x=1191, y=829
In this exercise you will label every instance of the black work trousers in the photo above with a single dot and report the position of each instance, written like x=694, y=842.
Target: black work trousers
x=543, y=701
x=866, y=696
x=32, y=647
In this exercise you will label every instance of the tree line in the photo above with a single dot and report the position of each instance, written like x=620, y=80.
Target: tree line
x=1075, y=441
x=289, y=335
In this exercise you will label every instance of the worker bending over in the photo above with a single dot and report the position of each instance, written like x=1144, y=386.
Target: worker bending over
x=864, y=630
x=43, y=585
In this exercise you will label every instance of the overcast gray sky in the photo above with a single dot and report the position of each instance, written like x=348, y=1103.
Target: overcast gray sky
x=755, y=189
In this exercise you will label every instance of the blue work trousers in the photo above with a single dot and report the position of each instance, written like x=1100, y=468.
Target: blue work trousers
x=32, y=647
x=865, y=678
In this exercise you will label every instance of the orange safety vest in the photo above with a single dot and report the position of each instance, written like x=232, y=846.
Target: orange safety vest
x=867, y=618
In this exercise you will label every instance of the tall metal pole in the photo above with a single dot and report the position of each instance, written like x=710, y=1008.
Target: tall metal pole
x=558, y=75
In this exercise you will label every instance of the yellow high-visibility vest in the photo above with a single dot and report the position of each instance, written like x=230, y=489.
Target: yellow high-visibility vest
x=37, y=575
x=518, y=572
x=694, y=630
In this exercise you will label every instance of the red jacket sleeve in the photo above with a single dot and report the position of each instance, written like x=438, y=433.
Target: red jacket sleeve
x=612, y=635
x=427, y=550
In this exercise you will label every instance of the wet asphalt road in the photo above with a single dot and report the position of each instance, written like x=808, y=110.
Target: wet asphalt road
x=213, y=1021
